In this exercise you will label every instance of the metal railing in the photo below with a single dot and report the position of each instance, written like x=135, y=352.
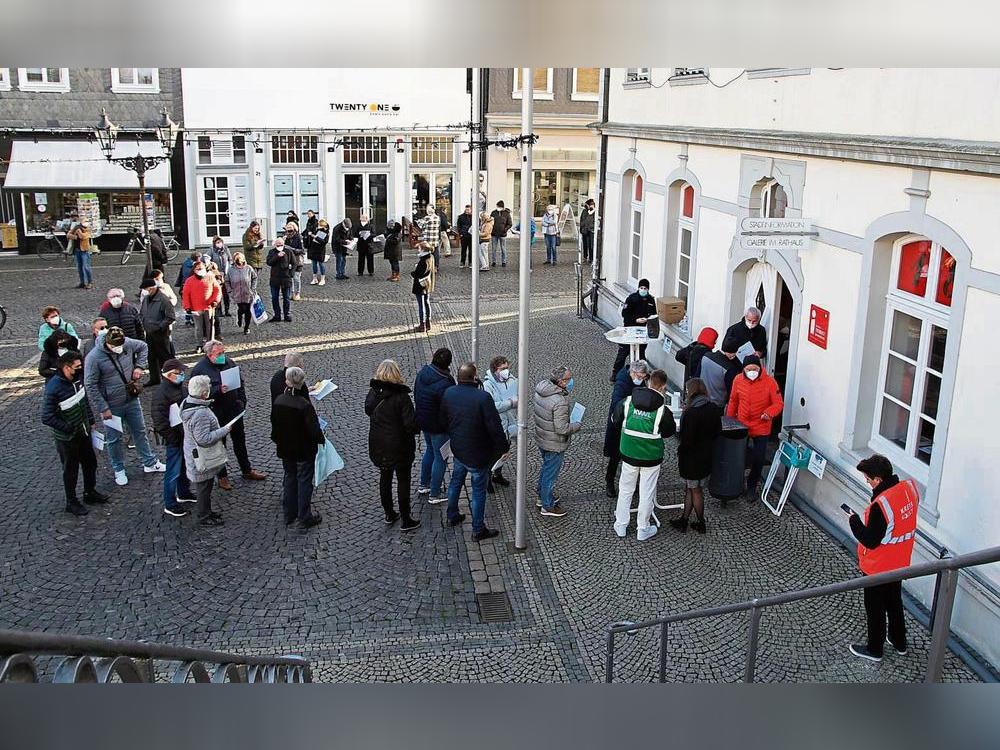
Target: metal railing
x=946, y=585
x=591, y=296
x=99, y=660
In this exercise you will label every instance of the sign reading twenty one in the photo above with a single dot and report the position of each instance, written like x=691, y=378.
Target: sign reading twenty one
x=775, y=234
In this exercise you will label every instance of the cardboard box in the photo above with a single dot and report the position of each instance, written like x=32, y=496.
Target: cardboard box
x=8, y=236
x=670, y=309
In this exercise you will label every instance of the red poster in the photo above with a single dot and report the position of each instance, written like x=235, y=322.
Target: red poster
x=819, y=325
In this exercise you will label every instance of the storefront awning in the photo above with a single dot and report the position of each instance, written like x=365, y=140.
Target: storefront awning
x=80, y=166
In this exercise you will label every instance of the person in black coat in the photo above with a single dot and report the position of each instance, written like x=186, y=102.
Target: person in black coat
x=692, y=354
x=748, y=329
x=297, y=435
x=56, y=345
x=628, y=378
x=340, y=245
x=392, y=425
x=316, y=251
x=171, y=391
x=365, y=233
x=393, y=248
x=278, y=385
x=428, y=388
x=639, y=307
x=464, y=225
x=701, y=423
x=282, y=264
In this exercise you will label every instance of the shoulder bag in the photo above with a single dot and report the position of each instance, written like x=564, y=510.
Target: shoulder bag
x=209, y=457
x=132, y=387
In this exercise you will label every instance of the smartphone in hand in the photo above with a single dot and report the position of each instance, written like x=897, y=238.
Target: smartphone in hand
x=846, y=508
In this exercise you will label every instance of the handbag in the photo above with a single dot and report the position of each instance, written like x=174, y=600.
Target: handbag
x=132, y=387
x=558, y=240
x=209, y=457
x=257, y=310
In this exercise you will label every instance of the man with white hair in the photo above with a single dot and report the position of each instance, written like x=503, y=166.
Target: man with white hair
x=297, y=436
x=747, y=329
x=282, y=263
x=201, y=432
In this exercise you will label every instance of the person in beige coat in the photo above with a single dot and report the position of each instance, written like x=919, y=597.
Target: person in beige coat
x=553, y=431
x=485, y=232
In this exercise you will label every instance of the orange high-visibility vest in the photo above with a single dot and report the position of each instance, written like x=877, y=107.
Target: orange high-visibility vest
x=899, y=506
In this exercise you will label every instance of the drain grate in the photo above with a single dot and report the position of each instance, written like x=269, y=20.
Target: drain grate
x=494, y=607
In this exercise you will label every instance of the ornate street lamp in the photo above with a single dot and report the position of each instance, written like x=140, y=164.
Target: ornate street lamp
x=166, y=133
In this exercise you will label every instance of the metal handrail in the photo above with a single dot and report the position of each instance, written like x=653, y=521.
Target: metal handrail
x=947, y=583
x=18, y=648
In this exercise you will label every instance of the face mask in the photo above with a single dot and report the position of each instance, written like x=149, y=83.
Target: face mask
x=219, y=359
x=180, y=377
x=643, y=292
x=750, y=325
x=116, y=302
x=753, y=374
x=569, y=386
x=144, y=292
x=200, y=274
x=218, y=246
x=116, y=349
x=61, y=351
x=159, y=283
x=504, y=374
x=54, y=321
x=637, y=381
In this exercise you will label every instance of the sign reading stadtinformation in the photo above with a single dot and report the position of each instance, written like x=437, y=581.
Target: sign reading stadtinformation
x=775, y=234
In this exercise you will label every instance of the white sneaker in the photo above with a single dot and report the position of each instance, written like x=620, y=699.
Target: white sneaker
x=315, y=281
x=647, y=533
x=424, y=491
x=621, y=529
x=435, y=500
x=156, y=468
x=121, y=478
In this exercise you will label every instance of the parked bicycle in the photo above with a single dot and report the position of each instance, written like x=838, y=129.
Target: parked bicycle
x=136, y=243
x=51, y=247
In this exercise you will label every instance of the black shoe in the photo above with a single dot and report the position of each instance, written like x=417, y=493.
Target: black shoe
x=226, y=315
x=274, y=320
x=77, y=508
x=698, y=526
x=504, y=265
x=95, y=498
x=494, y=265
x=409, y=524
x=861, y=651
x=500, y=479
x=391, y=518
x=681, y=524
x=315, y=519
x=215, y=514
x=900, y=651
x=610, y=488
x=176, y=511
x=289, y=520
x=485, y=534
x=211, y=521
x=457, y=520
x=288, y=319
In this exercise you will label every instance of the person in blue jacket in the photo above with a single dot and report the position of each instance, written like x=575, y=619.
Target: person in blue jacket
x=431, y=383
x=627, y=379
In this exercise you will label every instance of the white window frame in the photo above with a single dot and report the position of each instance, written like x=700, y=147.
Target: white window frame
x=931, y=314
x=312, y=143
x=765, y=198
x=583, y=96
x=296, y=176
x=4, y=79
x=440, y=148
x=135, y=88
x=536, y=95
x=635, y=207
x=60, y=86
x=685, y=224
x=367, y=146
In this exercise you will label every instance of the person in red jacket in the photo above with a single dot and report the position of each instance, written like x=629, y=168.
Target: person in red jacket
x=199, y=297
x=755, y=401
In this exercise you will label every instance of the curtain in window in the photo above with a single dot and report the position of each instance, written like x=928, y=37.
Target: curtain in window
x=762, y=274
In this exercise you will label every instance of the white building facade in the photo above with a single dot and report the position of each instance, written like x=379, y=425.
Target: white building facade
x=879, y=290
x=341, y=142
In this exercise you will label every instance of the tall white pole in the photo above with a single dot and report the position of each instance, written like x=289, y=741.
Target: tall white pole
x=474, y=202
x=523, y=393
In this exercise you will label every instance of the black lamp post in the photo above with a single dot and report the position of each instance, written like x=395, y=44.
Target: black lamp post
x=166, y=133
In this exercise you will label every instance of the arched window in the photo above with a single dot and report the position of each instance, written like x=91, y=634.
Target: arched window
x=770, y=200
x=918, y=307
x=685, y=241
x=635, y=229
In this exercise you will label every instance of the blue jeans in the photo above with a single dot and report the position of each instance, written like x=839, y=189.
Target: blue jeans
x=175, y=481
x=552, y=462
x=758, y=453
x=318, y=268
x=341, y=259
x=131, y=414
x=432, y=466
x=550, y=248
x=497, y=243
x=284, y=290
x=83, y=267
x=297, y=485
x=477, y=498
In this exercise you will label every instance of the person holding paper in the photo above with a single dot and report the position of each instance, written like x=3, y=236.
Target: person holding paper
x=392, y=425
x=200, y=296
x=645, y=422
x=66, y=412
x=112, y=373
x=201, y=431
x=639, y=307
x=227, y=404
x=428, y=388
x=553, y=431
x=282, y=264
x=755, y=401
x=502, y=387
x=749, y=330
x=166, y=414
x=316, y=243
x=340, y=244
x=364, y=233
x=477, y=440
x=296, y=434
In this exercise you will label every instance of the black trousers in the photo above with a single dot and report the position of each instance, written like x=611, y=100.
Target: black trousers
x=623, y=353
x=76, y=454
x=613, y=463
x=587, y=239
x=243, y=317
x=161, y=348
x=239, y=437
x=885, y=603
x=402, y=472
x=225, y=299
x=366, y=257
x=466, y=249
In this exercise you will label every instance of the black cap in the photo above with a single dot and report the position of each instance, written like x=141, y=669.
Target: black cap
x=147, y=283
x=751, y=359
x=174, y=364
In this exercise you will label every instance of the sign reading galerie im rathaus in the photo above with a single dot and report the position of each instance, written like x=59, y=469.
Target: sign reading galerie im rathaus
x=775, y=234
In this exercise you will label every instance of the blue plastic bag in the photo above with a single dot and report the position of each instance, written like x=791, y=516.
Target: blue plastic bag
x=327, y=462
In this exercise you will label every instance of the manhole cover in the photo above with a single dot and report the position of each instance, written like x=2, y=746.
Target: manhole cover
x=494, y=607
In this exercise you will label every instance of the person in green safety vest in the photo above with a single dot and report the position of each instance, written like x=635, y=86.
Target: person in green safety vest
x=645, y=421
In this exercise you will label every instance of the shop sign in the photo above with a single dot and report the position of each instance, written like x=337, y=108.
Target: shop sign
x=817, y=465
x=763, y=234
x=819, y=326
x=374, y=109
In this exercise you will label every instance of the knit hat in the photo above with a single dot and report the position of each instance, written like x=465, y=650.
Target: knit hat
x=644, y=283
x=751, y=359
x=115, y=336
x=174, y=364
x=708, y=337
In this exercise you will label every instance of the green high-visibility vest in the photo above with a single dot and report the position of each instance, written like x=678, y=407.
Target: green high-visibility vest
x=641, y=439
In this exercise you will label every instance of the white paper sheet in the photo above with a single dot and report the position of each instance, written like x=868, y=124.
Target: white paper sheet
x=744, y=351
x=235, y=419
x=115, y=423
x=175, y=415
x=322, y=389
x=97, y=440
x=446, y=450
x=577, y=414
x=231, y=378
x=501, y=461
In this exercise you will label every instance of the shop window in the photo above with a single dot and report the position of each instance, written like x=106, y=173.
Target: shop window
x=204, y=149
x=43, y=79
x=135, y=80
x=4, y=79
x=637, y=75
x=913, y=351
x=541, y=83
x=432, y=150
x=295, y=149
x=222, y=150
x=367, y=149
x=586, y=84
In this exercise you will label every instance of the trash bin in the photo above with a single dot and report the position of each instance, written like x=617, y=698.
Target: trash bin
x=729, y=458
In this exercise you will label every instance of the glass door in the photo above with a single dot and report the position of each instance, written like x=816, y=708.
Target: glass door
x=367, y=193
x=443, y=184
x=294, y=192
x=378, y=199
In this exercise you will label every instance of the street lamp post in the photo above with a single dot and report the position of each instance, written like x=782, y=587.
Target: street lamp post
x=166, y=134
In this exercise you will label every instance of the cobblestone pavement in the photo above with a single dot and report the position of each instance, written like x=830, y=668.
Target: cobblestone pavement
x=365, y=602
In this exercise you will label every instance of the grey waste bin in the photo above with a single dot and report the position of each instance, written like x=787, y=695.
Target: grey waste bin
x=729, y=458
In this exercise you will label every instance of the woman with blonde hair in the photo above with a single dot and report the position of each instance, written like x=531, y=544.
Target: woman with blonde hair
x=485, y=233
x=293, y=243
x=392, y=426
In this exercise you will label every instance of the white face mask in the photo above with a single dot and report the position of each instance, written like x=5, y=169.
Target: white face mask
x=116, y=349
x=159, y=283
x=144, y=293
x=201, y=274
x=504, y=374
x=54, y=321
x=752, y=374
x=116, y=302
x=61, y=351
x=751, y=325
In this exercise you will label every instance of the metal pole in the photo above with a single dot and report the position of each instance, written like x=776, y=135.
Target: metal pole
x=609, y=663
x=663, y=652
x=752, y=646
x=520, y=521
x=947, y=583
x=140, y=169
x=474, y=162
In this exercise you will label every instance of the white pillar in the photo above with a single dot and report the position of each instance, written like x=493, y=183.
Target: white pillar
x=474, y=202
x=522, y=325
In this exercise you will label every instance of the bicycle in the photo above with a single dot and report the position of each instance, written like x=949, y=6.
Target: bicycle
x=51, y=247
x=136, y=242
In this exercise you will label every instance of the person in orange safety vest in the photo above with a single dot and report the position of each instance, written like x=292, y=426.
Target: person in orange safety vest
x=885, y=543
